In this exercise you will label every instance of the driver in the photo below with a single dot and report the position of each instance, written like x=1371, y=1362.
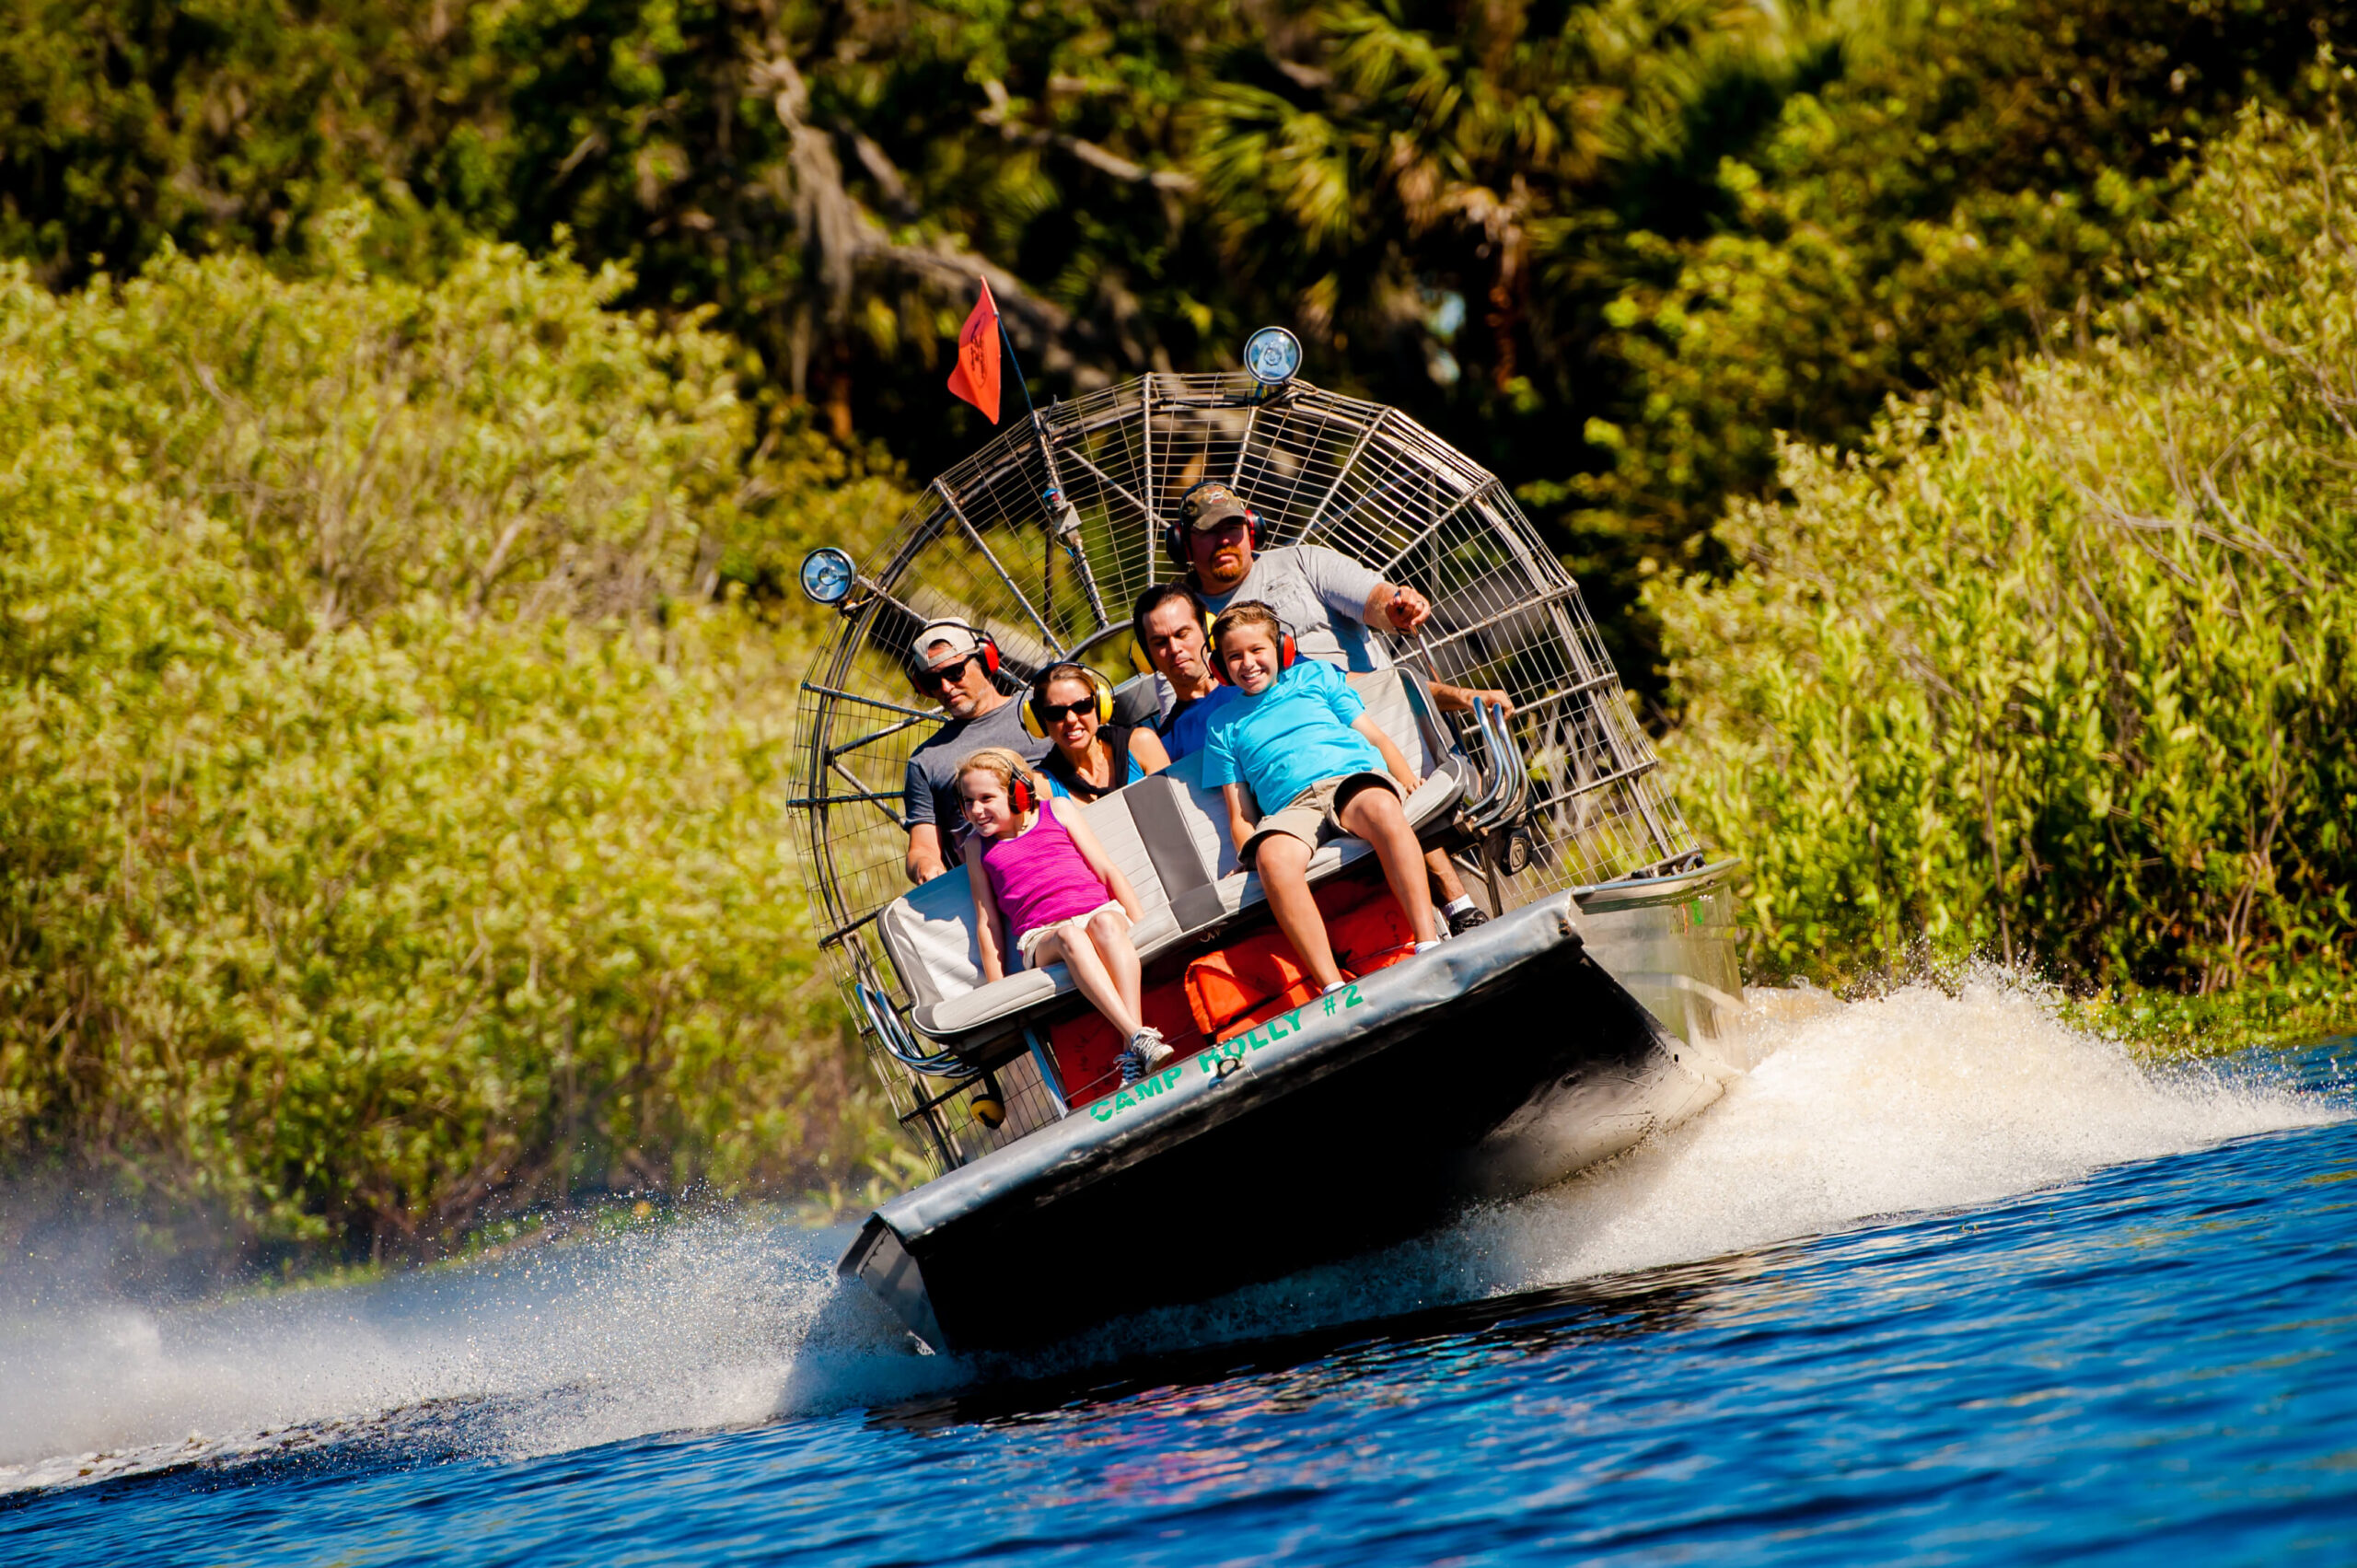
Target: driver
x=954, y=663
x=1329, y=602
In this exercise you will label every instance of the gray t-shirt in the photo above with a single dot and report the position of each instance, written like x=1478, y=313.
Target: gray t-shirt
x=1319, y=594
x=930, y=794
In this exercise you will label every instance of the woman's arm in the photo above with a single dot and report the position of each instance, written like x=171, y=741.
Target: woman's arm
x=1392, y=759
x=1083, y=839
x=990, y=927
x=1147, y=747
x=1239, y=802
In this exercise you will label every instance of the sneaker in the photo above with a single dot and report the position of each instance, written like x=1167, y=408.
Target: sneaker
x=1147, y=1051
x=1466, y=920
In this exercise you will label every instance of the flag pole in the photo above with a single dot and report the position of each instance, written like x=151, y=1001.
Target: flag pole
x=1007, y=340
x=1061, y=522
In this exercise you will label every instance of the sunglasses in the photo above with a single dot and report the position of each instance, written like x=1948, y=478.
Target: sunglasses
x=943, y=675
x=1056, y=713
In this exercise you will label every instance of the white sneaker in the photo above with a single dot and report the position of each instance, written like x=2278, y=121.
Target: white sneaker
x=1147, y=1051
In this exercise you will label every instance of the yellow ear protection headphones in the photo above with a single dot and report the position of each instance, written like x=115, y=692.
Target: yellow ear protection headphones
x=1154, y=598
x=1035, y=707
x=1174, y=535
x=1145, y=666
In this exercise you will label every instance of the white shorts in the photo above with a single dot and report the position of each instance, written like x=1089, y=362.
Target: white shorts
x=1073, y=924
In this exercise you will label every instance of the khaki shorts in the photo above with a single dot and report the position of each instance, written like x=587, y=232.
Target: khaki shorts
x=1315, y=815
x=1069, y=927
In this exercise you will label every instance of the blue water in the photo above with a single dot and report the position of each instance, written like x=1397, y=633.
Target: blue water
x=1941, y=1282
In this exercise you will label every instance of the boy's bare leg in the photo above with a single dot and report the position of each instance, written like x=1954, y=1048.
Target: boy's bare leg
x=1088, y=973
x=1374, y=814
x=1444, y=870
x=1283, y=862
x=1111, y=934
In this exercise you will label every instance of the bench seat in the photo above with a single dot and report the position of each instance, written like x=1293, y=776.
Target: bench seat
x=1169, y=836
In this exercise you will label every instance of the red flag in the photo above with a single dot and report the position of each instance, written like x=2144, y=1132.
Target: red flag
x=976, y=376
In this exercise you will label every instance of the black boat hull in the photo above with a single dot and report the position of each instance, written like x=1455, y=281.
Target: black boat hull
x=1500, y=1064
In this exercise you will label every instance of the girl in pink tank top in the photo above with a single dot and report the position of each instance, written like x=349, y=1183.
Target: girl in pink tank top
x=1037, y=870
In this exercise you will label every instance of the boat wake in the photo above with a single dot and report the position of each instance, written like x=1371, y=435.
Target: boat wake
x=1914, y=1102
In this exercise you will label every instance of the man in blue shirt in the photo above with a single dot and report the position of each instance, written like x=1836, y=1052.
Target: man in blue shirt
x=1173, y=627
x=1297, y=750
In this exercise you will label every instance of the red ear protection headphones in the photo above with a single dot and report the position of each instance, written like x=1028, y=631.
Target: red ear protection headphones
x=985, y=644
x=1019, y=794
x=1174, y=534
x=1286, y=652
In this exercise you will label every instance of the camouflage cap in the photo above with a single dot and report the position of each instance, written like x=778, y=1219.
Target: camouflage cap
x=1209, y=505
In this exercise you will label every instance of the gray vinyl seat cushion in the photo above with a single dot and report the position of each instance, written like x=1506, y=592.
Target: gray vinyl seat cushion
x=1168, y=835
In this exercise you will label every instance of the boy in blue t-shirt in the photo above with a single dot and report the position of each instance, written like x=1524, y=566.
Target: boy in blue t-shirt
x=1297, y=742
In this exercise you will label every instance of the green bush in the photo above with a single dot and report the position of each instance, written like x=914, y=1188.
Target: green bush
x=394, y=811
x=1961, y=186
x=2065, y=670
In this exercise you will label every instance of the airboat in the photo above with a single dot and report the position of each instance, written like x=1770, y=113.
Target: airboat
x=1593, y=1008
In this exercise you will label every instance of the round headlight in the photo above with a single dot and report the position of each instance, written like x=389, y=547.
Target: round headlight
x=1274, y=356
x=827, y=575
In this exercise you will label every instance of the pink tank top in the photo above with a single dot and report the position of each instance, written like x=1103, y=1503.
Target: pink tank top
x=1039, y=876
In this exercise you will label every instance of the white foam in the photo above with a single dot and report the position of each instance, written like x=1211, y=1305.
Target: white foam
x=1917, y=1101
x=713, y=1323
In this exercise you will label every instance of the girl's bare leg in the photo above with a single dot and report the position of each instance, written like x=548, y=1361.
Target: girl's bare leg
x=1088, y=973
x=1374, y=814
x=1283, y=862
x=1111, y=934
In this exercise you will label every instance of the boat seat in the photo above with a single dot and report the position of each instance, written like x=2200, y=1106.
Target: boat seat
x=1168, y=835
x=1185, y=825
x=931, y=935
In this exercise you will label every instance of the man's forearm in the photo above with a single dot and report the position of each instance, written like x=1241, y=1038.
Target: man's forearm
x=924, y=863
x=1460, y=699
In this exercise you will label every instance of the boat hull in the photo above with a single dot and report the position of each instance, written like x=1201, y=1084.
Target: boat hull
x=1497, y=1065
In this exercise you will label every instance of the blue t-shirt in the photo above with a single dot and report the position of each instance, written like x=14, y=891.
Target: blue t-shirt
x=1185, y=733
x=1290, y=736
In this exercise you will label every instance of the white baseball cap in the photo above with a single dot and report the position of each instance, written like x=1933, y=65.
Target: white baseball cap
x=951, y=631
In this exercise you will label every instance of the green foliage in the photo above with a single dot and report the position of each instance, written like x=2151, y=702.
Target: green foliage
x=2066, y=669
x=1610, y=247
x=396, y=824
x=393, y=827
x=1956, y=189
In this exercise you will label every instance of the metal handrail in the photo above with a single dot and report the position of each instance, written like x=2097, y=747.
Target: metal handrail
x=896, y=1039
x=1508, y=784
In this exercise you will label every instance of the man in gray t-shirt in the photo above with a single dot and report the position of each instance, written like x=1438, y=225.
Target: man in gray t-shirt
x=956, y=672
x=1322, y=594
x=1329, y=603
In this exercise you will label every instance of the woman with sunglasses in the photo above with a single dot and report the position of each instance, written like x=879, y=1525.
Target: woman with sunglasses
x=1070, y=704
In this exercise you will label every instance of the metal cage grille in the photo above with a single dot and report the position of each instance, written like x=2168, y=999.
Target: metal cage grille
x=987, y=541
